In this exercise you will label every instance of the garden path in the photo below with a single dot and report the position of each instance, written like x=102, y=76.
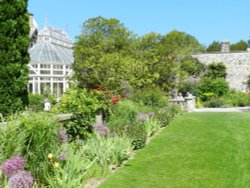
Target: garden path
x=236, y=109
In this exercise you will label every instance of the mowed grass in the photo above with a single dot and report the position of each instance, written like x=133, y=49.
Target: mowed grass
x=197, y=150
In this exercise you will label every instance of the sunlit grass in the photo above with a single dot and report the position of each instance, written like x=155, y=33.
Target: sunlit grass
x=196, y=150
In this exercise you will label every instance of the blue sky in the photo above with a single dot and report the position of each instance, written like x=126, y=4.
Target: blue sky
x=207, y=20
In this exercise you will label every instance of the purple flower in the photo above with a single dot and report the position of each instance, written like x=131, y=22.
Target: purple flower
x=22, y=179
x=142, y=117
x=101, y=129
x=62, y=157
x=63, y=136
x=151, y=114
x=13, y=165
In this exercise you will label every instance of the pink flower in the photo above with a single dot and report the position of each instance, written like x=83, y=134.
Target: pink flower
x=14, y=164
x=22, y=179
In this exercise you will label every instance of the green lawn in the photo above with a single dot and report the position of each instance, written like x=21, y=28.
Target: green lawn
x=197, y=150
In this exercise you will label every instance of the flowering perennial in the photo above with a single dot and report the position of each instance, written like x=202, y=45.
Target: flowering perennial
x=101, y=129
x=142, y=117
x=63, y=136
x=13, y=165
x=115, y=99
x=21, y=179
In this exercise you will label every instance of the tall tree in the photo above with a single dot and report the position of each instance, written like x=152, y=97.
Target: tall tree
x=14, y=57
x=214, y=47
x=239, y=46
x=180, y=44
x=101, y=53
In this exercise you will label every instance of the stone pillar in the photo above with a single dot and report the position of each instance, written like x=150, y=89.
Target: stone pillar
x=190, y=102
x=99, y=116
x=225, y=47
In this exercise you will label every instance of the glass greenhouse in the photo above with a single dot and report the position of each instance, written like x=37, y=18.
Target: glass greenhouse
x=51, y=56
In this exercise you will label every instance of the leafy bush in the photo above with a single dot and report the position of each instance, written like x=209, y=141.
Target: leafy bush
x=189, y=88
x=136, y=132
x=80, y=126
x=84, y=104
x=237, y=99
x=79, y=101
x=149, y=96
x=36, y=102
x=214, y=102
x=123, y=120
x=217, y=86
x=216, y=70
x=123, y=113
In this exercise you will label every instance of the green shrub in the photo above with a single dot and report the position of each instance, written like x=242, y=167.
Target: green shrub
x=84, y=104
x=166, y=114
x=218, y=86
x=237, y=99
x=123, y=113
x=33, y=136
x=78, y=101
x=80, y=126
x=36, y=102
x=152, y=97
x=216, y=70
x=136, y=132
x=123, y=120
x=12, y=140
x=189, y=88
x=214, y=102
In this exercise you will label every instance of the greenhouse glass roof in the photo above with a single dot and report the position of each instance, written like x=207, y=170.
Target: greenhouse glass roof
x=52, y=46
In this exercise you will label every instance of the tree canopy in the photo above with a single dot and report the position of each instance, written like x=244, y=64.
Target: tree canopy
x=239, y=46
x=108, y=54
x=214, y=47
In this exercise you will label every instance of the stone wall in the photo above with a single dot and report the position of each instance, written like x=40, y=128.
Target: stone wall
x=238, y=66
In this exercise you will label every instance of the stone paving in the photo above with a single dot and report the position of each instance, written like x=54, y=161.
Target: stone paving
x=238, y=109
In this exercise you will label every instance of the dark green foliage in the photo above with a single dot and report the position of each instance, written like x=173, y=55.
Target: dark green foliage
x=36, y=102
x=101, y=53
x=214, y=102
x=216, y=70
x=123, y=120
x=180, y=44
x=239, y=46
x=218, y=87
x=152, y=97
x=192, y=66
x=214, y=47
x=80, y=126
x=14, y=57
x=189, y=87
x=166, y=114
x=136, y=132
x=108, y=54
x=123, y=113
x=237, y=99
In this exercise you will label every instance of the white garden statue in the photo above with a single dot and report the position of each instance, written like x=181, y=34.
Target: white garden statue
x=47, y=105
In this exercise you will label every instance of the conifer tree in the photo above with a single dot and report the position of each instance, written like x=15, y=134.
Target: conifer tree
x=14, y=57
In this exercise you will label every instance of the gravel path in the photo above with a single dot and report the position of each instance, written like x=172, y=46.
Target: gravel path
x=238, y=109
